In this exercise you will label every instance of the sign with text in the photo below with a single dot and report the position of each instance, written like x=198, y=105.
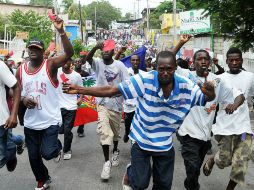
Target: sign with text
x=89, y=25
x=194, y=22
x=22, y=35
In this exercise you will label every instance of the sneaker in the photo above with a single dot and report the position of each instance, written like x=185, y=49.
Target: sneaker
x=39, y=186
x=20, y=148
x=105, y=174
x=115, y=158
x=47, y=183
x=11, y=164
x=125, y=181
x=58, y=158
x=81, y=135
x=67, y=155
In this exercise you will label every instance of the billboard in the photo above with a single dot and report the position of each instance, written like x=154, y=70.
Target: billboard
x=194, y=22
x=89, y=25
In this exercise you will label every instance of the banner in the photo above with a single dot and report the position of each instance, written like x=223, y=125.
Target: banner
x=194, y=22
x=87, y=112
x=89, y=25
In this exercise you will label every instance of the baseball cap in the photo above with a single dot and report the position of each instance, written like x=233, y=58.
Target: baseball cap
x=109, y=45
x=35, y=43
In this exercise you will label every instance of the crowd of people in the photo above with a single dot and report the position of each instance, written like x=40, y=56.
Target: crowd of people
x=164, y=99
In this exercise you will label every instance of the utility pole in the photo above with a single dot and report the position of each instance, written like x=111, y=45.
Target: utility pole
x=81, y=24
x=134, y=10
x=147, y=21
x=138, y=9
x=174, y=21
x=95, y=19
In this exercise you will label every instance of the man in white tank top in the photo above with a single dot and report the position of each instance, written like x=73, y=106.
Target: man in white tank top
x=38, y=78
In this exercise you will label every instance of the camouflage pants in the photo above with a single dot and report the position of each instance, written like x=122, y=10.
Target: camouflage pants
x=235, y=151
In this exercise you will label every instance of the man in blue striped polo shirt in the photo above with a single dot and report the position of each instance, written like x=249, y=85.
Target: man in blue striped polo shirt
x=164, y=99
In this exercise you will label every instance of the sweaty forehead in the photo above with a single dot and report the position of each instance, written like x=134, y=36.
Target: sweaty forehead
x=166, y=61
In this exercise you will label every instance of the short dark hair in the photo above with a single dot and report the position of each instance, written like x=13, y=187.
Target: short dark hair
x=135, y=55
x=234, y=50
x=166, y=54
x=182, y=63
x=199, y=51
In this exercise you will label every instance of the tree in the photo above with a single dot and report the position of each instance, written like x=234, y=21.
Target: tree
x=73, y=12
x=5, y=1
x=3, y=21
x=66, y=4
x=106, y=13
x=38, y=26
x=127, y=16
x=46, y=3
x=233, y=17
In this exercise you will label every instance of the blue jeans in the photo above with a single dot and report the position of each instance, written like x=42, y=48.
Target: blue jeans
x=139, y=173
x=17, y=139
x=42, y=144
x=7, y=147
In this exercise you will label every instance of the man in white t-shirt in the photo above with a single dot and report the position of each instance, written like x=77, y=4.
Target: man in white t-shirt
x=233, y=132
x=195, y=131
x=108, y=72
x=129, y=106
x=8, y=120
x=68, y=105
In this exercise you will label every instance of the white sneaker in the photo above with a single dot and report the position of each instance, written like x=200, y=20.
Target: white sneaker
x=47, y=183
x=39, y=188
x=67, y=155
x=115, y=158
x=105, y=174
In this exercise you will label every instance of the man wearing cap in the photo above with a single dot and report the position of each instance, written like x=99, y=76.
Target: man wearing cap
x=109, y=72
x=38, y=78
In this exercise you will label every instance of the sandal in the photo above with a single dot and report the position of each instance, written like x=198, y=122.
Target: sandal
x=208, y=167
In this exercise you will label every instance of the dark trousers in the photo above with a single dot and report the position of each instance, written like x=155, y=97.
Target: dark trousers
x=193, y=153
x=7, y=146
x=68, y=118
x=127, y=121
x=42, y=144
x=140, y=171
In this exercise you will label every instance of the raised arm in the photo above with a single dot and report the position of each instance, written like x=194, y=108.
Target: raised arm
x=183, y=39
x=59, y=61
x=89, y=57
x=122, y=50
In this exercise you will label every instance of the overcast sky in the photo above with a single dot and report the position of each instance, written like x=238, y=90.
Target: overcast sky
x=124, y=5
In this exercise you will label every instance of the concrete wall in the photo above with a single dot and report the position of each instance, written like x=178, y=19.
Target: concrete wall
x=7, y=9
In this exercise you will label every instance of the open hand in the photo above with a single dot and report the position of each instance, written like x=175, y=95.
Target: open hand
x=70, y=88
x=185, y=38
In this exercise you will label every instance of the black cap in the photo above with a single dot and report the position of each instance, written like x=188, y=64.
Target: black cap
x=35, y=43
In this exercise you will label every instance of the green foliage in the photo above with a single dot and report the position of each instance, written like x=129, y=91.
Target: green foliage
x=38, y=26
x=105, y=13
x=77, y=47
x=73, y=12
x=127, y=16
x=66, y=4
x=3, y=21
x=46, y=3
x=232, y=17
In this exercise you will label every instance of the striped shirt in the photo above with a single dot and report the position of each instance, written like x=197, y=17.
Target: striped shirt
x=157, y=118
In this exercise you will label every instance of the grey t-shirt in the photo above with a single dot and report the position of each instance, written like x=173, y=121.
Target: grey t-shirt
x=110, y=75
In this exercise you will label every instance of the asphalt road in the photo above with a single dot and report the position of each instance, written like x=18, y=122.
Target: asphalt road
x=83, y=170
